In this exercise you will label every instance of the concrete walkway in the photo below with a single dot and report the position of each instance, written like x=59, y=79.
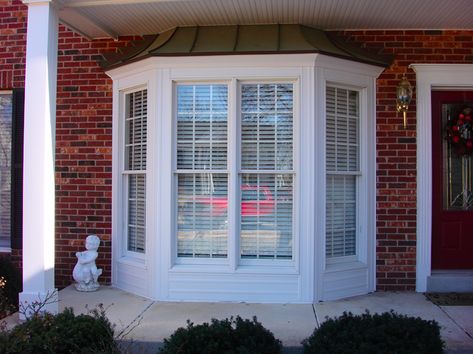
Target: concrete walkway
x=146, y=323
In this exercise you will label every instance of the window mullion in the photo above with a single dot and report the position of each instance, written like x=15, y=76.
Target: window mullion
x=233, y=176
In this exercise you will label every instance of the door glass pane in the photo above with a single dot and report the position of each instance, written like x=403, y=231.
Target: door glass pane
x=5, y=167
x=457, y=156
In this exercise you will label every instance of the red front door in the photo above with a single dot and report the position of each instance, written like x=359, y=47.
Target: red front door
x=452, y=182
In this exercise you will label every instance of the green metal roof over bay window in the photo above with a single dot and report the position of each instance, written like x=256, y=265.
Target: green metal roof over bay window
x=243, y=39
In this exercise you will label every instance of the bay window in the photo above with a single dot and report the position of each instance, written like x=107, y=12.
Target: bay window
x=244, y=178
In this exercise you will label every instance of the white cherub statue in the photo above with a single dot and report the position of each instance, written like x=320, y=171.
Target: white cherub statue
x=85, y=272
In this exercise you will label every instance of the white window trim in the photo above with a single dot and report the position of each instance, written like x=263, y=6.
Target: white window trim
x=221, y=263
x=132, y=271
x=332, y=280
x=126, y=253
x=233, y=262
x=430, y=76
x=360, y=237
x=158, y=276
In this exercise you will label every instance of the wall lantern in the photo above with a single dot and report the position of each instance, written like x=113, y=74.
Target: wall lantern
x=403, y=98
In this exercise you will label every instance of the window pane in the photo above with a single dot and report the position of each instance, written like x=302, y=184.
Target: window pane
x=342, y=129
x=267, y=126
x=457, y=162
x=135, y=130
x=202, y=113
x=202, y=215
x=136, y=213
x=5, y=168
x=340, y=216
x=136, y=110
x=342, y=156
x=266, y=216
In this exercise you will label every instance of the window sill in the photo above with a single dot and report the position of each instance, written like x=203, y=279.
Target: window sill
x=135, y=262
x=342, y=266
x=242, y=269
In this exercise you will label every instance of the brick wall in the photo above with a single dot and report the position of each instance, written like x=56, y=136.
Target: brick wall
x=12, y=44
x=396, y=147
x=83, y=153
x=83, y=139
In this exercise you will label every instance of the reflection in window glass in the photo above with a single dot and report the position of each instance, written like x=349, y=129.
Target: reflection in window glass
x=202, y=195
x=266, y=216
x=267, y=147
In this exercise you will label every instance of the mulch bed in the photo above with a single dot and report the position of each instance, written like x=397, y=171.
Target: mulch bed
x=450, y=299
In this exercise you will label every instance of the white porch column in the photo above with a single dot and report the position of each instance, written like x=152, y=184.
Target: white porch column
x=39, y=145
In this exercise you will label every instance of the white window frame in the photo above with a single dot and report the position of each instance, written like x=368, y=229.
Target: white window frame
x=125, y=178
x=132, y=271
x=359, y=237
x=233, y=262
x=176, y=260
x=334, y=281
x=294, y=172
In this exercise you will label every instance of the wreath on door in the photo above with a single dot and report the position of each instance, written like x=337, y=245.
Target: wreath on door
x=459, y=132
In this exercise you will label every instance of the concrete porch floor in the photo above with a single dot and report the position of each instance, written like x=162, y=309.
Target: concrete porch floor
x=146, y=323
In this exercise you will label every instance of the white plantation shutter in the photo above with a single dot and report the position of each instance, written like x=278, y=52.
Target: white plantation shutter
x=202, y=178
x=136, y=212
x=342, y=165
x=266, y=196
x=136, y=104
x=341, y=216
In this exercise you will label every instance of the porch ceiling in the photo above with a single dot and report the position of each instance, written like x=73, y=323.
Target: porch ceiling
x=113, y=18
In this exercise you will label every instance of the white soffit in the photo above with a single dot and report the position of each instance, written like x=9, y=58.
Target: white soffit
x=112, y=18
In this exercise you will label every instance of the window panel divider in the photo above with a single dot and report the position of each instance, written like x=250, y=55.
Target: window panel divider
x=344, y=173
x=270, y=172
x=201, y=171
x=233, y=178
x=134, y=172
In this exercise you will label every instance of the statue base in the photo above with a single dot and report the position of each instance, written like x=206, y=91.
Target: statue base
x=87, y=287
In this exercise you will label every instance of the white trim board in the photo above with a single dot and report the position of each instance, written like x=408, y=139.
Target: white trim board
x=430, y=76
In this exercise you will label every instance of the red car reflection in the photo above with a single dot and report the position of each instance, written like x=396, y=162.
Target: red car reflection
x=255, y=201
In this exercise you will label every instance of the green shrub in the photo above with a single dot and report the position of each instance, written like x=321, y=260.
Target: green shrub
x=375, y=334
x=10, y=286
x=61, y=333
x=229, y=336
